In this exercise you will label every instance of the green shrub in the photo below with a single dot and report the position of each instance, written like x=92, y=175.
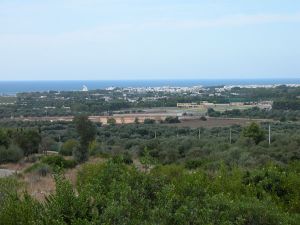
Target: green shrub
x=25, y=211
x=111, y=121
x=193, y=164
x=8, y=186
x=255, y=132
x=221, y=209
x=58, y=161
x=95, y=148
x=149, y=121
x=32, y=158
x=115, y=193
x=11, y=154
x=203, y=118
x=68, y=147
x=126, y=157
x=171, y=119
x=81, y=154
x=41, y=169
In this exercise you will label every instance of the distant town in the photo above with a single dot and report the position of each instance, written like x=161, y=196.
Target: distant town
x=127, y=104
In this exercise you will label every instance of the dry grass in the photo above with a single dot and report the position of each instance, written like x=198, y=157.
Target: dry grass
x=39, y=187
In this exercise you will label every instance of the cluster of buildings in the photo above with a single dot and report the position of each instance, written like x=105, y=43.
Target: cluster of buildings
x=267, y=105
x=229, y=87
x=163, y=89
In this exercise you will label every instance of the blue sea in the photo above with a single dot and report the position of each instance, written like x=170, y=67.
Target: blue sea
x=13, y=87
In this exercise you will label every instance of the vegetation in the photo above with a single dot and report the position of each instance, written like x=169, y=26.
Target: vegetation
x=255, y=132
x=172, y=144
x=87, y=131
x=58, y=161
x=104, y=102
x=28, y=140
x=287, y=104
x=11, y=154
x=14, y=144
x=114, y=193
x=277, y=114
x=155, y=173
x=149, y=121
x=171, y=119
x=69, y=147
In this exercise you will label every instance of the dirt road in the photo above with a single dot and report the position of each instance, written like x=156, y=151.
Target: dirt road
x=6, y=172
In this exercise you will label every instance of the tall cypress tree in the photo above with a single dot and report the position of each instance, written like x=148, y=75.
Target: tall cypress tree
x=87, y=132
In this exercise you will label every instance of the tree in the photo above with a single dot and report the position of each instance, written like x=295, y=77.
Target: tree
x=255, y=132
x=111, y=121
x=4, y=139
x=146, y=159
x=203, y=118
x=136, y=120
x=11, y=154
x=87, y=132
x=149, y=121
x=45, y=145
x=28, y=141
x=212, y=113
x=171, y=119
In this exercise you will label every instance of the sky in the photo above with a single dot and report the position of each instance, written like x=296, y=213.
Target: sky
x=149, y=39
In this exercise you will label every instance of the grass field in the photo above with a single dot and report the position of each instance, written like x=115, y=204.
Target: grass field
x=224, y=108
x=195, y=111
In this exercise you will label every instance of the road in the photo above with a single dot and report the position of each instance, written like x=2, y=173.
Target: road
x=6, y=172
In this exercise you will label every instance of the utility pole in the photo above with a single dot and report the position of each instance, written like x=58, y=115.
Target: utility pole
x=269, y=134
x=230, y=136
x=199, y=134
x=155, y=135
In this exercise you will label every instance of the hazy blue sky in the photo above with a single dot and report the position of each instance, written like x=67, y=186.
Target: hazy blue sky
x=149, y=39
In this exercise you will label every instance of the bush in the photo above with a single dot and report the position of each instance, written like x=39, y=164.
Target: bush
x=126, y=158
x=68, y=147
x=193, y=164
x=11, y=154
x=32, y=158
x=111, y=121
x=203, y=118
x=55, y=161
x=41, y=169
x=7, y=186
x=95, y=148
x=81, y=154
x=171, y=119
x=255, y=132
x=114, y=193
x=149, y=121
